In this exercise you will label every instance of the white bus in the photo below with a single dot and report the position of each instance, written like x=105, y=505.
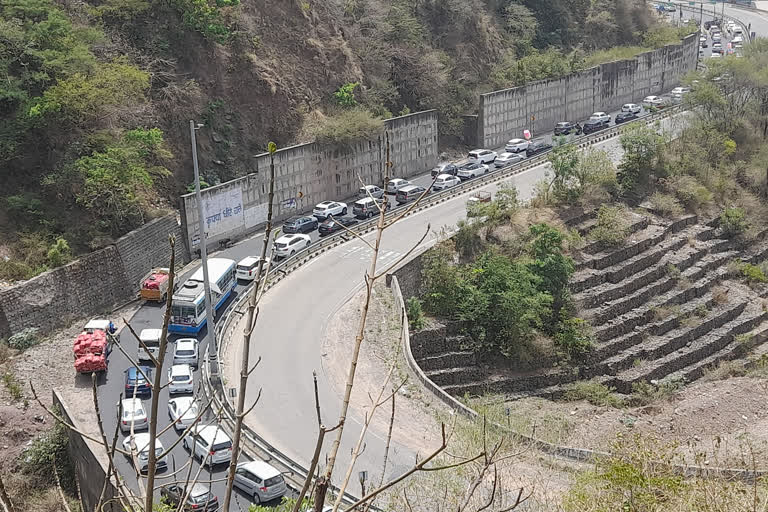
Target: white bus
x=188, y=305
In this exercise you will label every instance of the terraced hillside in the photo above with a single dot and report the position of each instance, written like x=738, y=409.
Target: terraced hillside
x=662, y=307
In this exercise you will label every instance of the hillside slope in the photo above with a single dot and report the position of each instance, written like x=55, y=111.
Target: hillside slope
x=94, y=134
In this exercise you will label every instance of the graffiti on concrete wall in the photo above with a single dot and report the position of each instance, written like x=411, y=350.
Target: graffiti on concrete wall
x=223, y=211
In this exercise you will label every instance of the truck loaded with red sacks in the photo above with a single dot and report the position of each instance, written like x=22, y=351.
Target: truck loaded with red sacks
x=92, y=346
x=154, y=286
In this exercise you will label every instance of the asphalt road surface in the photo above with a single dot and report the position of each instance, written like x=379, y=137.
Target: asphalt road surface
x=294, y=315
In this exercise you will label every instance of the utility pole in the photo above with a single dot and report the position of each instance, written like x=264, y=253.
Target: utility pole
x=212, y=347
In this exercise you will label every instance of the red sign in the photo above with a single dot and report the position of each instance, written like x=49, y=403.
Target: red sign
x=527, y=134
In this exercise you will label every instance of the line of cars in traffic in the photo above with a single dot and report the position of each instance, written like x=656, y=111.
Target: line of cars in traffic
x=206, y=442
x=719, y=46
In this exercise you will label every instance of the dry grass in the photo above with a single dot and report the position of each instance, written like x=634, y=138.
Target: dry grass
x=720, y=294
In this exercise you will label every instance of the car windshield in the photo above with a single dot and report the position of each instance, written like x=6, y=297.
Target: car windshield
x=180, y=378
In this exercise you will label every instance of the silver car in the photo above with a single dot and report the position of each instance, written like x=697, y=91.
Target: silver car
x=260, y=480
x=185, y=352
x=142, y=451
x=133, y=415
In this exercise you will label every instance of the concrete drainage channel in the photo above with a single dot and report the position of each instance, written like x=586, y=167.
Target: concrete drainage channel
x=256, y=447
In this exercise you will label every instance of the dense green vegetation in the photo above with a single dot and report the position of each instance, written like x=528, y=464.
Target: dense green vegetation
x=505, y=293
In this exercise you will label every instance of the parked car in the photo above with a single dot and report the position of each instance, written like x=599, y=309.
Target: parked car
x=183, y=411
x=142, y=451
x=133, y=415
x=623, y=117
x=209, y=443
x=481, y=156
x=180, y=379
x=536, y=148
x=715, y=55
x=594, y=125
x=185, y=351
x=516, y=146
x=288, y=245
x=451, y=169
x=600, y=116
x=703, y=41
x=652, y=101
x=408, y=194
x=333, y=225
x=368, y=207
x=566, y=128
x=300, y=224
x=506, y=159
x=444, y=181
x=370, y=191
x=260, y=480
x=248, y=267
x=470, y=171
x=631, y=107
x=136, y=382
x=396, y=184
x=327, y=208
x=199, y=497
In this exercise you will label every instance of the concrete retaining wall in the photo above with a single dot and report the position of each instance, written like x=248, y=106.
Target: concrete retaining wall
x=503, y=115
x=308, y=174
x=93, y=284
x=88, y=458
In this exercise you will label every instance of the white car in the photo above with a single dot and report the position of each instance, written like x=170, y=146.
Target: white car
x=470, y=171
x=185, y=351
x=652, y=101
x=516, y=146
x=133, y=414
x=288, y=245
x=323, y=210
x=180, y=379
x=715, y=56
x=183, y=410
x=737, y=39
x=481, y=156
x=600, y=116
x=444, y=181
x=396, y=184
x=506, y=159
x=679, y=92
x=248, y=267
x=142, y=451
x=370, y=191
x=631, y=107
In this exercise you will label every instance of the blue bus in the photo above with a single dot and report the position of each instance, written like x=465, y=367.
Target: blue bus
x=188, y=303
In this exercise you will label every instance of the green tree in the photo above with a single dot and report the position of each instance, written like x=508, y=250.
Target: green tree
x=345, y=95
x=733, y=222
x=552, y=266
x=643, y=159
x=564, y=159
x=59, y=254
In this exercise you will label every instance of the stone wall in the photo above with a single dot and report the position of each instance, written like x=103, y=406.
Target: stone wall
x=504, y=114
x=95, y=283
x=308, y=174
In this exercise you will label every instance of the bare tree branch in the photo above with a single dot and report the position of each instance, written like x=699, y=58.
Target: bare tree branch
x=58, y=486
x=5, y=500
x=152, y=358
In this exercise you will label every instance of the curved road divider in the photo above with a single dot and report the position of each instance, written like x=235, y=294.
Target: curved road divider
x=256, y=447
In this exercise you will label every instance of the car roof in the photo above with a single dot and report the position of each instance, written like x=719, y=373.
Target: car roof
x=151, y=333
x=181, y=369
x=409, y=187
x=505, y=154
x=445, y=176
x=289, y=237
x=394, y=180
x=367, y=187
x=259, y=468
x=199, y=489
x=516, y=141
x=182, y=400
x=325, y=203
x=132, y=404
x=366, y=200
x=248, y=260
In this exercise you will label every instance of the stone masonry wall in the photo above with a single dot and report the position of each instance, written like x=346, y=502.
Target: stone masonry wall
x=504, y=114
x=92, y=284
x=308, y=174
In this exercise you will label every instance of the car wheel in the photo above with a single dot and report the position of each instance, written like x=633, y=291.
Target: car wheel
x=184, y=443
x=293, y=252
x=344, y=211
x=256, y=498
x=370, y=214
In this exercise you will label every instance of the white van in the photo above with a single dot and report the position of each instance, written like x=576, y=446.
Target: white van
x=209, y=444
x=151, y=339
x=260, y=480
